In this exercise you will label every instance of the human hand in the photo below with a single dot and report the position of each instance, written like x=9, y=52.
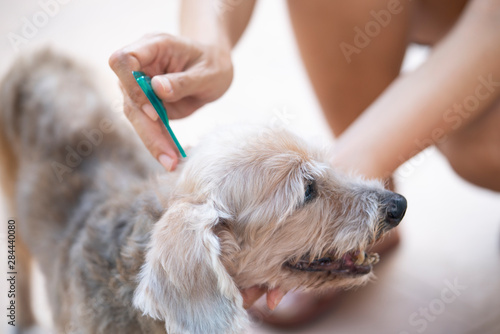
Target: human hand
x=251, y=295
x=185, y=76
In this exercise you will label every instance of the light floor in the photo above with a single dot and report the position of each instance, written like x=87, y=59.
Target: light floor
x=451, y=233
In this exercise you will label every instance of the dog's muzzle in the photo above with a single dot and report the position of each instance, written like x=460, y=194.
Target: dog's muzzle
x=395, y=209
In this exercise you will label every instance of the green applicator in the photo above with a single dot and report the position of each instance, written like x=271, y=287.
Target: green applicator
x=145, y=83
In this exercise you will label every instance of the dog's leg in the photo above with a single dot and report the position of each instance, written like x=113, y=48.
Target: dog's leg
x=25, y=316
x=47, y=107
x=61, y=146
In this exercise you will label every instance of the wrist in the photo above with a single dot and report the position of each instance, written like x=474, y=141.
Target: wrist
x=205, y=28
x=217, y=56
x=360, y=160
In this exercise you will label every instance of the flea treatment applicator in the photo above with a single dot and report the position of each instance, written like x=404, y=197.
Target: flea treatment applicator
x=145, y=83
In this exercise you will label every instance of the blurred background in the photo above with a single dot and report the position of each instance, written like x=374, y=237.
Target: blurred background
x=451, y=232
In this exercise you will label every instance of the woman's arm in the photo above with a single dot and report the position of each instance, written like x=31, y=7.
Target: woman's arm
x=458, y=82
x=216, y=22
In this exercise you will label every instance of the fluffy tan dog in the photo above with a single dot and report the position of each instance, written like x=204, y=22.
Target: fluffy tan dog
x=127, y=248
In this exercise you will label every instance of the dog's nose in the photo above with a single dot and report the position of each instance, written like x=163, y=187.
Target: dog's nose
x=396, y=208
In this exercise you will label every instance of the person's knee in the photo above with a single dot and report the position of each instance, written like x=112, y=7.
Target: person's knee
x=475, y=160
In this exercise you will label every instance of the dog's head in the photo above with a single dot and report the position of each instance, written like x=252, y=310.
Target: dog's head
x=258, y=208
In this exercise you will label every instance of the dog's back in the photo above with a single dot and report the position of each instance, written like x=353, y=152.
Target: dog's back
x=55, y=126
x=73, y=177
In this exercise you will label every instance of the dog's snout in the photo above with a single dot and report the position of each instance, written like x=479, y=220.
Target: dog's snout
x=396, y=208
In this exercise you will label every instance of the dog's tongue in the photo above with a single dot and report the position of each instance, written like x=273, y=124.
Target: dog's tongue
x=347, y=260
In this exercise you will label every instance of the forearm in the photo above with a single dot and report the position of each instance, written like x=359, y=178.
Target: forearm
x=218, y=22
x=426, y=106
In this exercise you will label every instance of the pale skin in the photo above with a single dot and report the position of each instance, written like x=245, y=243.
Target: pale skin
x=381, y=119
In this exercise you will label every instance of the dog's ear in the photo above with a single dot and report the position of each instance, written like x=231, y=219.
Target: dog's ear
x=183, y=281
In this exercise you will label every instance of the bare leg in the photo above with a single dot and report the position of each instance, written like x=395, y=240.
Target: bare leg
x=344, y=88
x=474, y=151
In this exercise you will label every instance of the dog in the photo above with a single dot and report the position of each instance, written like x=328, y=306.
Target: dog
x=128, y=248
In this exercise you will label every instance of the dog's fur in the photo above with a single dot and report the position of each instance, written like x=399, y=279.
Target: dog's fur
x=127, y=248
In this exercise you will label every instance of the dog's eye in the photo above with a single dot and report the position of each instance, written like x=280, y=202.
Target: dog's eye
x=310, y=192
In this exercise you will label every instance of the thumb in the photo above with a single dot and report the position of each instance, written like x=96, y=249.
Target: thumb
x=173, y=87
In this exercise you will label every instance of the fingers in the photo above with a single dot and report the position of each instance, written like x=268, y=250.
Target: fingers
x=173, y=87
x=153, y=54
x=185, y=76
x=274, y=297
x=251, y=295
x=153, y=135
x=123, y=63
x=150, y=54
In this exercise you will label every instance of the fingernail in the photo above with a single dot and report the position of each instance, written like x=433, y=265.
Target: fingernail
x=150, y=111
x=166, y=162
x=165, y=84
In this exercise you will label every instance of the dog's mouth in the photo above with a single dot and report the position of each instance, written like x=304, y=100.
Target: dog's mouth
x=355, y=263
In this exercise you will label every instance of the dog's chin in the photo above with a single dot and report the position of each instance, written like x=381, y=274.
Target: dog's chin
x=351, y=264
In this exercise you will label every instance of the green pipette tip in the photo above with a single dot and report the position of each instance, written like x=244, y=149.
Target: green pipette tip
x=145, y=83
